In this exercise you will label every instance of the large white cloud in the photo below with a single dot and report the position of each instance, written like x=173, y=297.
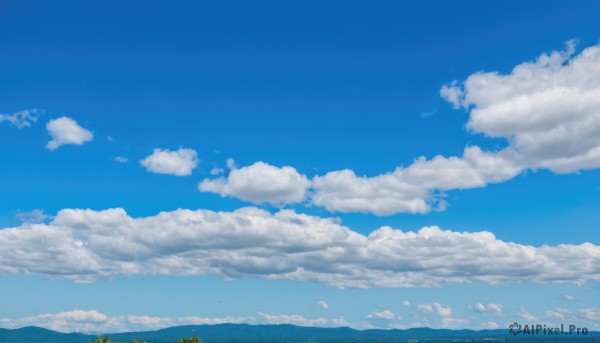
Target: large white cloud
x=87, y=246
x=260, y=183
x=21, y=119
x=414, y=189
x=547, y=111
x=164, y=161
x=65, y=130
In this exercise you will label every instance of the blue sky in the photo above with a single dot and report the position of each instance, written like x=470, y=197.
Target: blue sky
x=322, y=110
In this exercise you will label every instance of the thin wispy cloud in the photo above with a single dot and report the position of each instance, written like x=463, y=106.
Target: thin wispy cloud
x=22, y=119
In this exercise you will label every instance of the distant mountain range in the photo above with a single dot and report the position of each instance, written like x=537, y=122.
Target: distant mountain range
x=283, y=333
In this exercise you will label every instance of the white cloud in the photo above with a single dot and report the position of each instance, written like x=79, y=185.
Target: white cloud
x=87, y=245
x=406, y=303
x=454, y=323
x=149, y=322
x=435, y=307
x=294, y=319
x=65, y=130
x=590, y=313
x=588, y=316
x=22, y=119
x=567, y=297
x=260, y=183
x=120, y=159
x=381, y=315
x=92, y=321
x=442, y=311
x=339, y=322
x=558, y=313
x=67, y=321
x=547, y=110
x=491, y=308
x=425, y=308
x=33, y=216
x=323, y=304
x=216, y=171
x=164, y=161
x=524, y=314
x=491, y=325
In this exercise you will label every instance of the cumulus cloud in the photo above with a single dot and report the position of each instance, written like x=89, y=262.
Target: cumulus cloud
x=260, y=183
x=22, y=119
x=323, y=304
x=164, y=161
x=120, y=159
x=381, y=315
x=547, y=112
x=414, y=189
x=87, y=246
x=65, y=130
x=490, y=308
x=406, y=303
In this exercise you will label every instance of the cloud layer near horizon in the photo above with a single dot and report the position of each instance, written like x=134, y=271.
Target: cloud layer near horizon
x=87, y=246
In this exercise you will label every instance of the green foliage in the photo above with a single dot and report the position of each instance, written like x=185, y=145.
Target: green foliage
x=192, y=339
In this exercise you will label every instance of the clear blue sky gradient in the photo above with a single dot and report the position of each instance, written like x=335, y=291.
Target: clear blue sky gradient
x=318, y=85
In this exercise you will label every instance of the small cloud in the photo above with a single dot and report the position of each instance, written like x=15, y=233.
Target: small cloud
x=406, y=303
x=428, y=114
x=65, y=130
x=491, y=308
x=33, y=216
x=425, y=308
x=231, y=163
x=260, y=183
x=523, y=313
x=23, y=118
x=491, y=325
x=435, y=307
x=454, y=322
x=567, y=297
x=381, y=315
x=590, y=313
x=110, y=139
x=216, y=171
x=121, y=159
x=323, y=304
x=164, y=161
